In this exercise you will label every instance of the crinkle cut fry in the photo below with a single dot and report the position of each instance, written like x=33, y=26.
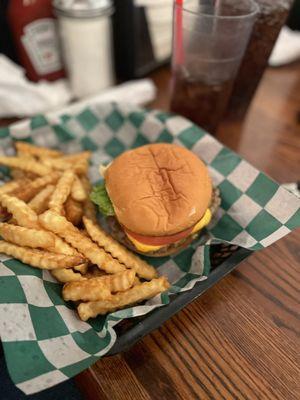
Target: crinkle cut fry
x=65, y=275
x=39, y=258
x=119, y=282
x=18, y=174
x=74, y=211
x=36, y=238
x=77, y=191
x=93, y=272
x=120, y=300
x=83, y=155
x=79, y=166
x=62, y=247
x=89, y=209
x=32, y=188
x=82, y=268
x=25, y=165
x=27, y=148
x=93, y=289
x=39, y=203
x=62, y=191
x=9, y=187
x=118, y=251
x=89, y=289
x=62, y=227
x=56, y=163
x=26, y=237
x=21, y=212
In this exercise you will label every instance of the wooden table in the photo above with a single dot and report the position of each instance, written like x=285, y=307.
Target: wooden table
x=238, y=340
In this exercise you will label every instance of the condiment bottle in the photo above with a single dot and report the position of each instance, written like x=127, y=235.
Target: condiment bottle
x=34, y=30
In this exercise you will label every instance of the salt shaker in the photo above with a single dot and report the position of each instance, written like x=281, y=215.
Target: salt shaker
x=86, y=35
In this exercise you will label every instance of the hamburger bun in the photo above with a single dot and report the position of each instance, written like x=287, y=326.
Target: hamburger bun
x=158, y=189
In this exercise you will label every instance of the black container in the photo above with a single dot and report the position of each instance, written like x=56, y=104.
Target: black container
x=224, y=259
x=133, y=50
x=6, y=40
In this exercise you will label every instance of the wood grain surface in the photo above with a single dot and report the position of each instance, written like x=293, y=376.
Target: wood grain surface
x=240, y=340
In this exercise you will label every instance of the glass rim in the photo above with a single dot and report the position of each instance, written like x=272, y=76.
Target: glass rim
x=213, y=16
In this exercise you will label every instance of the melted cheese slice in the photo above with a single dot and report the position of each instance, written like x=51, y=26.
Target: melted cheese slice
x=205, y=220
x=145, y=248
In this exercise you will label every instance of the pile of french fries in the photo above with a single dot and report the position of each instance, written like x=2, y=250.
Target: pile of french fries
x=49, y=222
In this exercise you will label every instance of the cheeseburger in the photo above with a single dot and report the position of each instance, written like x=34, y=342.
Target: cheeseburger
x=157, y=198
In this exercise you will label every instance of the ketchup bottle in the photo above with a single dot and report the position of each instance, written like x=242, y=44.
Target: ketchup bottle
x=34, y=30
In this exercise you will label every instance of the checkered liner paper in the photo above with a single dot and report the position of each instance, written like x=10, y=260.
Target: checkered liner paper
x=43, y=339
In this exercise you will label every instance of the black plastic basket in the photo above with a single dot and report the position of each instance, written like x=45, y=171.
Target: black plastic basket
x=224, y=259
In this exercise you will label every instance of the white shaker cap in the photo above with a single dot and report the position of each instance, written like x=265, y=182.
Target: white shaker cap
x=82, y=8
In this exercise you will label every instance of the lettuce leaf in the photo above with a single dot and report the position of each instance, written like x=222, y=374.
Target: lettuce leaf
x=100, y=197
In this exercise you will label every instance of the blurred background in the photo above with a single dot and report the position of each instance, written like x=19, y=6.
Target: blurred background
x=53, y=52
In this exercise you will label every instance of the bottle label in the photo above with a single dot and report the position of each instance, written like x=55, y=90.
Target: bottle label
x=41, y=42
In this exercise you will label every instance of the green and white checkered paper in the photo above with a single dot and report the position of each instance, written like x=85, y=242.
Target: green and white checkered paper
x=43, y=339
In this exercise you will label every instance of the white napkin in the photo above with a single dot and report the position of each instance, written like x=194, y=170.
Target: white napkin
x=20, y=97
x=287, y=48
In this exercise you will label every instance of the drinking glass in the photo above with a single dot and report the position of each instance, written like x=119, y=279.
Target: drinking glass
x=209, y=41
x=272, y=16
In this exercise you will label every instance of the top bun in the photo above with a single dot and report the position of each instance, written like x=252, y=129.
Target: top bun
x=158, y=189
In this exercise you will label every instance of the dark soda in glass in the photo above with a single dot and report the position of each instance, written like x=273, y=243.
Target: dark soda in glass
x=209, y=41
x=270, y=19
x=202, y=103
